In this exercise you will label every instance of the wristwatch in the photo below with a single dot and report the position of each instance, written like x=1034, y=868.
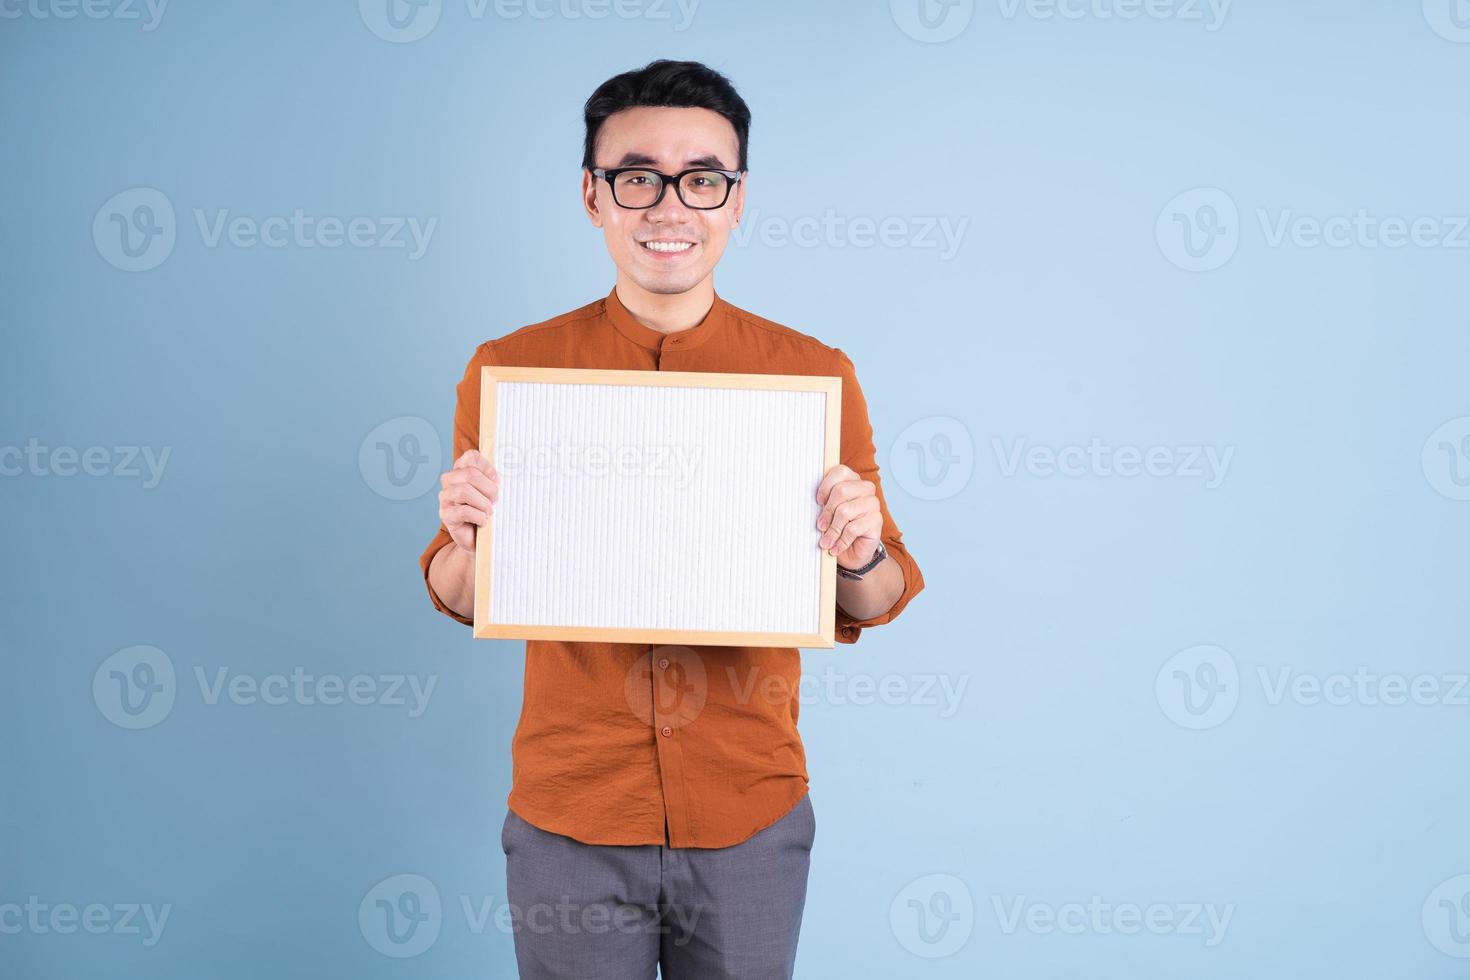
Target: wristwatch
x=857, y=573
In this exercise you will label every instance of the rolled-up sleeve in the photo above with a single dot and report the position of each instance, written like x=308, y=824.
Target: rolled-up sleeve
x=858, y=454
x=466, y=437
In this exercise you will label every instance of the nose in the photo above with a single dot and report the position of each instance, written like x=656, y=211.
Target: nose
x=670, y=210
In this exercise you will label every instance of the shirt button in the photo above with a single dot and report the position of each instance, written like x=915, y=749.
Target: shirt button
x=664, y=663
x=667, y=731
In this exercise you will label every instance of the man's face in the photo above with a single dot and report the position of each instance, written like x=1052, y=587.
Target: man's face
x=667, y=140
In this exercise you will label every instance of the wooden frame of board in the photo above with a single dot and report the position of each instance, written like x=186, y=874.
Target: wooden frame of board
x=830, y=387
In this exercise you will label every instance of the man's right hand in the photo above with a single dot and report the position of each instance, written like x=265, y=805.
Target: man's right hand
x=470, y=490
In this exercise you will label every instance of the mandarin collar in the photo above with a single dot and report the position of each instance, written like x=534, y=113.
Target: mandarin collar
x=644, y=336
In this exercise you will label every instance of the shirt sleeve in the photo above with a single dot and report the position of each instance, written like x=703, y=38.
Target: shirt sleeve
x=858, y=455
x=466, y=437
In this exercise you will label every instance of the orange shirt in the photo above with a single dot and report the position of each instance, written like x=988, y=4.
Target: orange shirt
x=631, y=743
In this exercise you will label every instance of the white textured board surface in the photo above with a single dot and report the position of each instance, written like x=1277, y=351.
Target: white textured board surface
x=651, y=507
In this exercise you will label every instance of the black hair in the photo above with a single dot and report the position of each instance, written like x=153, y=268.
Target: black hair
x=676, y=84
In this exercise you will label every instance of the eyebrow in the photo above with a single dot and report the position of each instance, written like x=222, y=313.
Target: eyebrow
x=644, y=160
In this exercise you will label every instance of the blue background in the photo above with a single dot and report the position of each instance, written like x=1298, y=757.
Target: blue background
x=1057, y=601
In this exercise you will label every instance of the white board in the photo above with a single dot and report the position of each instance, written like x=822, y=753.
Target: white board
x=656, y=506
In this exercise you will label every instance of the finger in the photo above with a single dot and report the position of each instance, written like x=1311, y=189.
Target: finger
x=463, y=493
x=474, y=459
x=457, y=514
x=487, y=485
x=474, y=477
x=843, y=515
x=836, y=523
x=862, y=527
x=834, y=476
x=836, y=494
x=841, y=493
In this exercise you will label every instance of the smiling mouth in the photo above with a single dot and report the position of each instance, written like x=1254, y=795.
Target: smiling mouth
x=666, y=247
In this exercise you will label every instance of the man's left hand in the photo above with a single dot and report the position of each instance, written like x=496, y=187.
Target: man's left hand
x=850, y=519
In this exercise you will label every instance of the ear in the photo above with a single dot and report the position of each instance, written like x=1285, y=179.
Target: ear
x=739, y=202
x=589, y=198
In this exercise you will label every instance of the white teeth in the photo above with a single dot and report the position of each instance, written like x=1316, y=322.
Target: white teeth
x=668, y=246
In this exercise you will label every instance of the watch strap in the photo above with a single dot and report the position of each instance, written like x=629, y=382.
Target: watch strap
x=857, y=573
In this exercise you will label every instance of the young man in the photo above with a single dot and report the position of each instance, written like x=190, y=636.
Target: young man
x=659, y=813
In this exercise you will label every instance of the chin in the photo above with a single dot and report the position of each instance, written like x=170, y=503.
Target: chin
x=671, y=285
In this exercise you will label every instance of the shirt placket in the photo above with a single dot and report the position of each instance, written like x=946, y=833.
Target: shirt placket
x=671, y=718
x=669, y=672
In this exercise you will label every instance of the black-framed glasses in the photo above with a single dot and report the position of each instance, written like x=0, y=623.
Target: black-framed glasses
x=637, y=188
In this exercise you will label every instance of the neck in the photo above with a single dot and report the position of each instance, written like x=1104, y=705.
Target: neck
x=667, y=312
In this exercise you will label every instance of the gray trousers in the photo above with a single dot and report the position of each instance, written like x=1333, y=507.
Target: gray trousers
x=593, y=912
